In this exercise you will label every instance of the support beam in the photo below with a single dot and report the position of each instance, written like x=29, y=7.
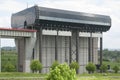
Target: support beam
x=77, y=45
x=77, y=48
x=0, y=54
x=40, y=44
x=101, y=50
x=70, y=48
x=92, y=47
x=21, y=54
x=56, y=47
x=89, y=50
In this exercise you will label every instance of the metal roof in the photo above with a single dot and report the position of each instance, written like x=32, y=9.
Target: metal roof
x=74, y=17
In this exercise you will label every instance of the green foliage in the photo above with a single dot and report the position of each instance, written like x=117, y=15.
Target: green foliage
x=8, y=56
x=55, y=63
x=116, y=69
x=103, y=68
x=74, y=65
x=62, y=72
x=35, y=65
x=9, y=67
x=90, y=67
x=111, y=55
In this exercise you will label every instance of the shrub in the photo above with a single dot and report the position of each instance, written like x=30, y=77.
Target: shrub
x=35, y=66
x=62, y=72
x=55, y=63
x=74, y=65
x=116, y=69
x=103, y=68
x=90, y=67
x=9, y=67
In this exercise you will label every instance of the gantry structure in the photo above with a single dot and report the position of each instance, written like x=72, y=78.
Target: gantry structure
x=62, y=35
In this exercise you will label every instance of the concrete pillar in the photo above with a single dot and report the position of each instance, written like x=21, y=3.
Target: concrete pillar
x=25, y=49
x=90, y=48
x=56, y=47
x=70, y=50
x=0, y=53
x=20, y=46
x=40, y=44
x=101, y=50
x=29, y=45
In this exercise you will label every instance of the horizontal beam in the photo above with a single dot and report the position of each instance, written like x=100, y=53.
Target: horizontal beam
x=85, y=34
x=54, y=32
x=16, y=33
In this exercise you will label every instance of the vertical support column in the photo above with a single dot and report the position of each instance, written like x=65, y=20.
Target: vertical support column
x=70, y=56
x=40, y=44
x=77, y=48
x=77, y=45
x=92, y=47
x=21, y=54
x=0, y=54
x=101, y=50
x=56, y=47
x=33, y=54
x=89, y=50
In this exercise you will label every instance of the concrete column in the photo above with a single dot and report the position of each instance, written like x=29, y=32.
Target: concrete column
x=70, y=50
x=101, y=50
x=40, y=44
x=20, y=45
x=25, y=49
x=56, y=47
x=29, y=45
x=77, y=46
x=90, y=48
x=0, y=53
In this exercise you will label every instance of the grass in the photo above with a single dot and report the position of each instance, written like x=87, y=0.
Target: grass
x=112, y=64
x=8, y=56
x=18, y=74
x=36, y=76
x=21, y=76
x=99, y=76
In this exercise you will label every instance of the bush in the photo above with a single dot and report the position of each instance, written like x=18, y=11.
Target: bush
x=74, y=65
x=103, y=68
x=35, y=66
x=90, y=67
x=55, y=64
x=62, y=72
x=9, y=67
x=116, y=69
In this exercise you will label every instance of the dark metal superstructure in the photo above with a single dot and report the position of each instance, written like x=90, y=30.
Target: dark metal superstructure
x=41, y=18
x=48, y=18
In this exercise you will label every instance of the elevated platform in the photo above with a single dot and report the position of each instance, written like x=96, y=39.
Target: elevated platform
x=9, y=32
x=25, y=41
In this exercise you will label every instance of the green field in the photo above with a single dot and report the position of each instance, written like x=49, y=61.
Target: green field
x=8, y=56
x=112, y=64
x=36, y=76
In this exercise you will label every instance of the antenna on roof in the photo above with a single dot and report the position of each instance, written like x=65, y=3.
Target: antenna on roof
x=27, y=4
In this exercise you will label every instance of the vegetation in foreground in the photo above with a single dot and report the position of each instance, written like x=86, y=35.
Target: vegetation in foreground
x=36, y=76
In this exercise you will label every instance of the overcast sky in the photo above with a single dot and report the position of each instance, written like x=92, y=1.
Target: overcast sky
x=104, y=7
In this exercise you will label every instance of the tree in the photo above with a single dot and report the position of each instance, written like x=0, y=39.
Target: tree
x=116, y=69
x=55, y=64
x=9, y=67
x=35, y=66
x=103, y=68
x=62, y=72
x=74, y=65
x=90, y=67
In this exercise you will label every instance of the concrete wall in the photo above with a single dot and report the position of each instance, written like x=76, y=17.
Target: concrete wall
x=25, y=48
